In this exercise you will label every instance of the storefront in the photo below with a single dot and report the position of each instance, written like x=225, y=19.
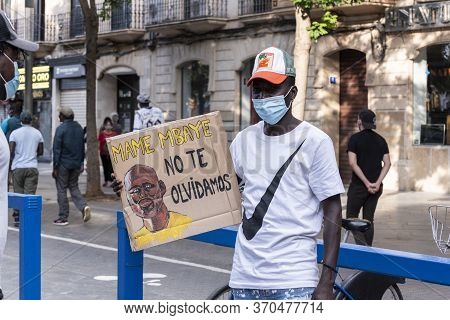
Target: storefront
x=72, y=89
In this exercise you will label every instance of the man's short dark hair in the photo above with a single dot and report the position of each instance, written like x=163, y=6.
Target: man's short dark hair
x=368, y=119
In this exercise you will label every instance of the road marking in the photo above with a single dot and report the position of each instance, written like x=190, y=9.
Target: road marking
x=155, y=279
x=148, y=256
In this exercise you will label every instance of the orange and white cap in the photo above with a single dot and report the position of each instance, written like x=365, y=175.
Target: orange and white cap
x=273, y=65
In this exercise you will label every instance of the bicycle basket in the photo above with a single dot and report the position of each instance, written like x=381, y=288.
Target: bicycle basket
x=440, y=225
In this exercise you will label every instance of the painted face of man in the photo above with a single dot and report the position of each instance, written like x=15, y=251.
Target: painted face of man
x=145, y=191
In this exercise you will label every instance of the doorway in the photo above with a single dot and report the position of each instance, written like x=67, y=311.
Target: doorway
x=42, y=109
x=248, y=115
x=353, y=98
x=127, y=91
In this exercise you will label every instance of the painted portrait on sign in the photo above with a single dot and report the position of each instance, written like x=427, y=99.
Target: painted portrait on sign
x=145, y=195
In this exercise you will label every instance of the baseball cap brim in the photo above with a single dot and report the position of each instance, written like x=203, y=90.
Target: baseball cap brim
x=272, y=77
x=24, y=44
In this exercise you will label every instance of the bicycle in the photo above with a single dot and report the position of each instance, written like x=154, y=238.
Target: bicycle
x=440, y=226
x=360, y=285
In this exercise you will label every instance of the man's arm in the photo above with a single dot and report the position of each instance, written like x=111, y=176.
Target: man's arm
x=353, y=161
x=137, y=125
x=57, y=145
x=384, y=171
x=12, y=151
x=332, y=213
x=40, y=149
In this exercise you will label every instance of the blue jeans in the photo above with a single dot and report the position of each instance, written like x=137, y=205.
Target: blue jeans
x=273, y=294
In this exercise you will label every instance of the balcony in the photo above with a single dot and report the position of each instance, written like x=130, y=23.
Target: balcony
x=265, y=11
x=126, y=24
x=174, y=17
x=365, y=8
x=43, y=32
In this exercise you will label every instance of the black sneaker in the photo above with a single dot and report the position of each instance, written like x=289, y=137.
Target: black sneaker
x=86, y=214
x=1, y=294
x=61, y=222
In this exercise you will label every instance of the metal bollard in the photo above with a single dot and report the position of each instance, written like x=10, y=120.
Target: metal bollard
x=130, y=265
x=30, y=207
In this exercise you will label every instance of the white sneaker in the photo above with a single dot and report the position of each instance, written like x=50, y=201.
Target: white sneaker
x=86, y=214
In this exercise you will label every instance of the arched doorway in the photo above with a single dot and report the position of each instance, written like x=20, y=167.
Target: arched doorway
x=352, y=99
x=248, y=115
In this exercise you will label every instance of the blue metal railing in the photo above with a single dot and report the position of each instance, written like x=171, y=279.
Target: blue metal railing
x=390, y=262
x=30, y=207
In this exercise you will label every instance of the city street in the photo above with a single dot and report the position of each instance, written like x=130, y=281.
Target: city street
x=79, y=260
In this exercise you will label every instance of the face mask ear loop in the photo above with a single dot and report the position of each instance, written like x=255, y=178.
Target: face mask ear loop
x=292, y=101
x=8, y=57
x=1, y=76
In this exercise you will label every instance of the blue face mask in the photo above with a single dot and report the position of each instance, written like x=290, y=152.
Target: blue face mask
x=12, y=85
x=271, y=109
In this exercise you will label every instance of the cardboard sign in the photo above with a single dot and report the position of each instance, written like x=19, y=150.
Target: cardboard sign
x=178, y=180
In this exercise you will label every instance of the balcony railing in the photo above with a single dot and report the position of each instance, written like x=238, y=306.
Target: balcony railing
x=66, y=26
x=254, y=6
x=166, y=11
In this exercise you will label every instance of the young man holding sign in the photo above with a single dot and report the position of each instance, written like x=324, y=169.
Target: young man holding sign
x=292, y=185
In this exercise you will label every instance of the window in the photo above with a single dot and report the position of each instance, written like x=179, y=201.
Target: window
x=121, y=16
x=432, y=95
x=39, y=21
x=76, y=19
x=195, y=94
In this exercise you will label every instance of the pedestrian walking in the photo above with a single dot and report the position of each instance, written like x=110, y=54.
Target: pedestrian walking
x=148, y=115
x=68, y=164
x=5, y=121
x=105, y=133
x=10, y=48
x=368, y=156
x=117, y=128
x=291, y=185
x=14, y=122
x=26, y=144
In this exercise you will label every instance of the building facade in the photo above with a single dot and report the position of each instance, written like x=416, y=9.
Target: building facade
x=194, y=56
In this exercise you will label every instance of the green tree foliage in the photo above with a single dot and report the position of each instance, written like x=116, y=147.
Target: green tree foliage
x=328, y=19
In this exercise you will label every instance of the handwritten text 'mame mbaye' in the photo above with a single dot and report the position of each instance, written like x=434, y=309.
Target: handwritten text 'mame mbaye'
x=172, y=137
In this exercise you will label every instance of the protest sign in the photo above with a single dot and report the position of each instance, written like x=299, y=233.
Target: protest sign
x=178, y=180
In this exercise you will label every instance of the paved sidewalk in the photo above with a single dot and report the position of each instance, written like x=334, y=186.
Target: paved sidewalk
x=184, y=269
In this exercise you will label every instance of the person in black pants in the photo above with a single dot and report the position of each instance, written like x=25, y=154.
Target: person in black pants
x=368, y=156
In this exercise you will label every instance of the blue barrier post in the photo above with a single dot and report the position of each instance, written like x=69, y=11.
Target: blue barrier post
x=129, y=265
x=30, y=207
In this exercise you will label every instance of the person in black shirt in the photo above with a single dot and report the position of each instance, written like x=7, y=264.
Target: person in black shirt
x=368, y=156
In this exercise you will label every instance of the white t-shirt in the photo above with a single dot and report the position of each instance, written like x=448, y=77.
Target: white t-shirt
x=27, y=140
x=147, y=117
x=4, y=167
x=282, y=254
